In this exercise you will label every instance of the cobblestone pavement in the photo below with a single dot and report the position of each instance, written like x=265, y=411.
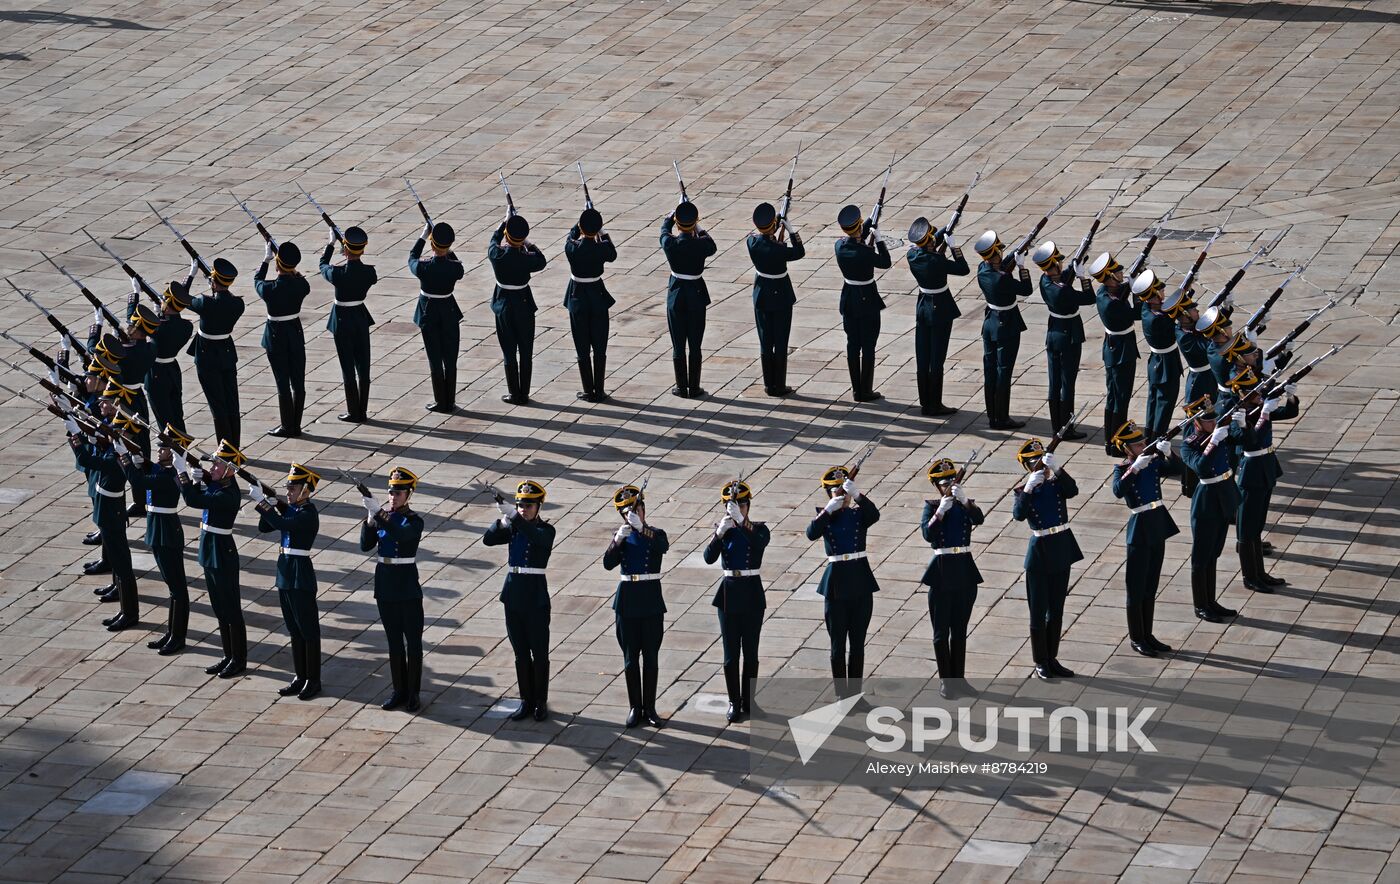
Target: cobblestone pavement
x=117, y=763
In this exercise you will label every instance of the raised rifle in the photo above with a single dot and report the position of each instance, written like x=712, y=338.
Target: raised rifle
x=359, y=485
x=1190, y=277
x=1141, y=263
x=47, y=406
x=1271, y=384
x=967, y=466
x=196, y=454
x=126, y=268
x=419, y=200
x=1221, y=296
x=94, y=301
x=55, y=366
x=180, y=238
x=1024, y=245
x=862, y=457
x=257, y=222
x=1276, y=349
x=1083, y=251
x=510, y=203
x=942, y=241
x=59, y=327
x=1256, y=320
x=325, y=216
x=685, y=198
x=874, y=236
x=787, y=197
x=587, y=200
x=1050, y=447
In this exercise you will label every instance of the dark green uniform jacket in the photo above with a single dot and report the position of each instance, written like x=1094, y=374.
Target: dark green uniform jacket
x=512, y=268
x=1120, y=325
x=160, y=487
x=283, y=295
x=531, y=542
x=1002, y=292
x=437, y=277
x=394, y=536
x=1149, y=520
x=740, y=549
x=858, y=263
x=953, y=531
x=686, y=254
x=352, y=282
x=109, y=487
x=772, y=289
x=1044, y=510
x=843, y=533
x=586, y=259
x=931, y=271
x=638, y=554
x=299, y=526
x=220, y=502
x=218, y=314
x=1063, y=327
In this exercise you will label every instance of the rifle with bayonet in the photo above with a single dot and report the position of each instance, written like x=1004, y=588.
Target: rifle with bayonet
x=196, y=454
x=510, y=203
x=1221, y=296
x=685, y=198
x=87, y=424
x=59, y=327
x=787, y=197
x=180, y=238
x=55, y=366
x=126, y=268
x=419, y=200
x=1267, y=385
x=257, y=222
x=1024, y=245
x=1141, y=263
x=1190, y=277
x=874, y=235
x=941, y=243
x=1083, y=251
x=1050, y=447
x=325, y=216
x=862, y=457
x=587, y=200
x=1255, y=323
x=94, y=301
x=1282, y=345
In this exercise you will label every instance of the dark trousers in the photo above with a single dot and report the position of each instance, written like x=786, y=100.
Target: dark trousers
x=640, y=640
x=1045, y=596
x=847, y=620
x=930, y=352
x=1208, y=541
x=774, y=331
x=515, y=331
x=287, y=359
x=950, y=609
x=1249, y=522
x=686, y=322
x=352, y=349
x=441, y=341
x=1064, y=371
x=1118, y=385
x=170, y=562
x=218, y=376
x=739, y=632
x=223, y=587
x=403, y=628
x=1144, y=570
x=116, y=550
x=304, y=628
x=589, y=327
x=165, y=389
x=1163, y=388
x=1198, y=384
x=528, y=632
x=862, y=334
x=999, y=360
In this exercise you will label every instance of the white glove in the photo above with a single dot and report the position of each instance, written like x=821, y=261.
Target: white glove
x=951, y=240
x=1218, y=435
x=268, y=253
x=622, y=533
x=1272, y=405
x=370, y=506
x=959, y=494
x=1079, y=270
x=787, y=227
x=1164, y=447
x=635, y=521
x=135, y=286
x=1141, y=462
x=1265, y=318
x=120, y=447
x=724, y=525
x=1250, y=336
x=1036, y=478
x=194, y=267
x=1269, y=366
x=181, y=462
x=1229, y=302
x=53, y=375
x=331, y=237
x=256, y=493
x=849, y=486
x=197, y=474
x=1291, y=389
x=735, y=514
x=1021, y=260
x=1238, y=417
x=506, y=509
x=67, y=342
x=1050, y=461
x=943, y=506
x=834, y=504
x=96, y=316
x=427, y=231
x=71, y=425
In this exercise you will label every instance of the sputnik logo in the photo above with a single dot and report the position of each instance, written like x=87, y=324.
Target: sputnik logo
x=811, y=729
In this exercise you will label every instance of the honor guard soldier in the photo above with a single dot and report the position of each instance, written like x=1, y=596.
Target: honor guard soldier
x=437, y=316
x=513, y=258
x=934, y=311
x=165, y=381
x=1001, y=325
x=1194, y=348
x=951, y=576
x=1259, y=472
x=298, y=523
x=394, y=532
x=1137, y=481
x=1064, y=331
x=99, y=458
x=738, y=546
x=860, y=299
x=131, y=402
x=1040, y=502
x=1120, y=351
x=215, y=491
x=159, y=486
x=1164, y=365
x=100, y=369
x=215, y=359
x=139, y=355
x=848, y=584
x=283, y=338
x=1215, y=502
x=525, y=595
x=1213, y=326
x=773, y=297
x=350, y=320
x=638, y=608
x=588, y=249
x=686, y=294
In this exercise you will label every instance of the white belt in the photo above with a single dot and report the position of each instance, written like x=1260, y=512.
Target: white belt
x=426, y=295
x=138, y=388
x=502, y=285
x=1146, y=506
x=1220, y=478
x=991, y=306
x=870, y=281
x=846, y=557
x=214, y=529
x=209, y=337
x=162, y=510
x=287, y=318
x=1074, y=315
x=165, y=360
x=751, y=572
x=952, y=550
x=288, y=551
x=105, y=493
x=515, y=569
x=1226, y=390
x=1160, y=350
x=1193, y=368
x=585, y=279
x=939, y=290
x=360, y=303
x=385, y=560
x=634, y=578
x=1121, y=331
x=1260, y=453
x=1046, y=532
x=688, y=276
x=782, y=275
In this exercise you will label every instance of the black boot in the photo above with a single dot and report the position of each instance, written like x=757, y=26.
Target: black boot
x=943, y=656
x=867, y=381
x=1135, y=631
x=682, y=387
x=838, y=678
x=854, y=676
x=298, y=668
x=1052, y=649
x=179, y=623
x=585, y=375
x=1110, y=426
x=363, y=413
x=169, y=620
x=780, y=374
x=352, y=403
x=746, y=686
x=853, y=366
x=1149, y=610
x=541, y=686
x=524, y=674
x=765, y=363
x=925, y=400
x=436, y=381
x=935, y=395
x=731, y=687
x=109, y=593
x=228, y=651
x=311, y=657
x=649, y=698
x=1264, y=576
x=1038, y=654
x=298, y=409
x=512, y=386
x=1003, y=402
x=527, y=367
x=100, y=566
x=600, y=370
x=238, y=648
x=1249, y=568
x=1210, y=596
x=284, y=412
x=957, y=656
x=1199, y=599
x=413, y=682
x=93, y=538
x=633, y=675
x=396, y=675
x=693, y=375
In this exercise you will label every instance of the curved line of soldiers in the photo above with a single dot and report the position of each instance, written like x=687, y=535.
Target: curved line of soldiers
x=1235, y=391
